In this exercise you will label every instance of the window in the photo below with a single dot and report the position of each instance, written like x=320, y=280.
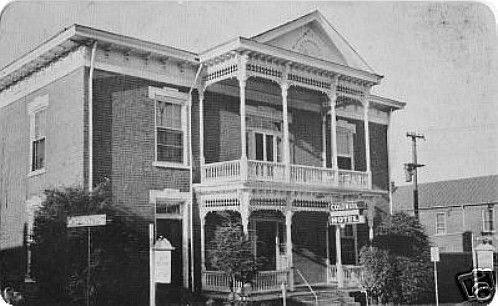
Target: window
x=487, y=219
x=441, y=223
x=264, y=139
x=345, y=151
x=170, y=126
x=37, y=111
x=169, y=132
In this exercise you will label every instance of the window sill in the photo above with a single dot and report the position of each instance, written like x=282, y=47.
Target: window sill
x=36, y=172
x=160, y=164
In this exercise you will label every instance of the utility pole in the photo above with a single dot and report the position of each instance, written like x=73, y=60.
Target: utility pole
x=411, y=169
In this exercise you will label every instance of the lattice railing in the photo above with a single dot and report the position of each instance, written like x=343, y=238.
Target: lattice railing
x=309, y=175
x=229, y=171
x=352, y=275
x=221, y=171
x=353, y=179
x=266, y=171
x=264, y=281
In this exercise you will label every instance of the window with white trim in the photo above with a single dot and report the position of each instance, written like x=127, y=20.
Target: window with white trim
x=345, y=150
x=441, y=223
x=170, y=126
x=264, y=134
x=37, y=111
x=488, y=219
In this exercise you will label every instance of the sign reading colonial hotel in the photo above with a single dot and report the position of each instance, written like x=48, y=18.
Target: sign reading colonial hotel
x=342, y=213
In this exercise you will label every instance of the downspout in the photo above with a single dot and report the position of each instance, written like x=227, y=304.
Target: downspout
x=191, y=157
x=90, y=117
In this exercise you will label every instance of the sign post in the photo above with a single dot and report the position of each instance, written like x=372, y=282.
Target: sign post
x=435, y=259
x=87, y=221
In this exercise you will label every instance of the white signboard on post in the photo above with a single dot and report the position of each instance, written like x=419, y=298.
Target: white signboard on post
x=163, y=267
x=434, y=254
x=90, y=220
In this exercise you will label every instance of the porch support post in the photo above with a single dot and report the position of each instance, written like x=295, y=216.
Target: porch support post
x=203, y=241
x=370, y=217
x=244, y=211
x=200, y=90
x=185, y=238
x=324, y=140
x=286, y=152
x=327, y=244
x=288, y=247
x=366, y=105
x=338, y=261
x=333, y=129
x=242, y=77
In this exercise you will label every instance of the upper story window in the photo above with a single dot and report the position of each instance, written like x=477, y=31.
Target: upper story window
x=441, y=223
x=170, y=126
x=345, y=149
x=488, y=219
x=37, y=111
x=264, y=134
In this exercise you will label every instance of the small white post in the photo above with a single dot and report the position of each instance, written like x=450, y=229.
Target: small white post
x=338, y=261
x=435, y=283
x=152, y=291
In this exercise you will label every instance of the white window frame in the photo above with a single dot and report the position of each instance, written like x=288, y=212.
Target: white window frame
x=350, y=129
x=38, y=104
x=445, y=226
x=173, y=96
x=488, y=212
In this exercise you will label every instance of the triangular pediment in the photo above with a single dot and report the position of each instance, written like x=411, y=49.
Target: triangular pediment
x=312, y=35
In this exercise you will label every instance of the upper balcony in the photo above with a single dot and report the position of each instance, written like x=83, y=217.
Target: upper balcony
x=263, y=171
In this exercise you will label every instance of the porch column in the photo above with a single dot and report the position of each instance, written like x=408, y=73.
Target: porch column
x=366, y=105
x=242, y=77
x=201, y=131
x=288, y=246
x=327, y=245
x=370, y=215
x=338, y=260
x=333, y=130
x=203, y=242
x=285, y=129
x=244, y=211
x=324, y=140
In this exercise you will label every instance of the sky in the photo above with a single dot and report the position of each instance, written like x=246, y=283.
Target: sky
x=438, y=57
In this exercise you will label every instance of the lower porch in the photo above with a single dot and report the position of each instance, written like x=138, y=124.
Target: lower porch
x=298, y=249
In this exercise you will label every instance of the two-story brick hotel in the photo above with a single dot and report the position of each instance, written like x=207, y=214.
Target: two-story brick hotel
x=280, y=128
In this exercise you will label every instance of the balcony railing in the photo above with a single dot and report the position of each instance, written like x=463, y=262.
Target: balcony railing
x=264, y=281
x=252, y=170
x=353, y=275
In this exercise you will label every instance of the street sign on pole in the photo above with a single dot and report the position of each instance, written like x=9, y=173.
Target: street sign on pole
x=435, y=259
x=87, y=221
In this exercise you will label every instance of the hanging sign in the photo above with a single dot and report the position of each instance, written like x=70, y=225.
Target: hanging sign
x=347, y=219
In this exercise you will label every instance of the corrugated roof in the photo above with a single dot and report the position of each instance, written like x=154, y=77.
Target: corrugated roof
x=483, y=189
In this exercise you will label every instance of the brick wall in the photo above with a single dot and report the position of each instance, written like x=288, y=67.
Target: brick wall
x=64, y=151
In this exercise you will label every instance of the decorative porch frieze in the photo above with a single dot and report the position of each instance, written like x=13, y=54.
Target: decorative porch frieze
x=221, y=68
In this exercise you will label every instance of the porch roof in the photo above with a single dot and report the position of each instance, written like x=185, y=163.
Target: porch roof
x=281, y=55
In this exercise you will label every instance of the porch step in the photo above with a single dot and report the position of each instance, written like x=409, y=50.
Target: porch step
x=325, y=296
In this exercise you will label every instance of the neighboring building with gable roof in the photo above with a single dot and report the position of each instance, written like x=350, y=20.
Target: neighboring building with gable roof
x=451, y=210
